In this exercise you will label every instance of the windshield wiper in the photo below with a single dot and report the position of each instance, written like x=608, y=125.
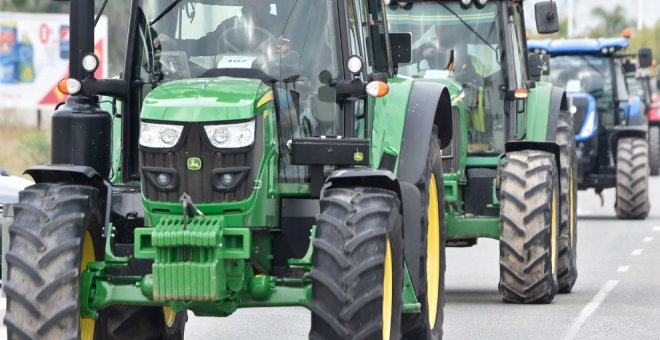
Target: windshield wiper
x=468, y=26
x=164, y=12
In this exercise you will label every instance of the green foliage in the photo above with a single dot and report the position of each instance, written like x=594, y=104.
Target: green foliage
x=612, y=23
x=35, y=145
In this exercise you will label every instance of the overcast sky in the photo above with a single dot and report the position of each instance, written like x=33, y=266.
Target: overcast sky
x=650, y=11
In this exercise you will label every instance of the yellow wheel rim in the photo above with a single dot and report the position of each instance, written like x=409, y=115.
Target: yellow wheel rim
x=571, y=208
x=87, y=324
x=433, y=252
x=170, y=316
x=387, y=293
x=553, y=239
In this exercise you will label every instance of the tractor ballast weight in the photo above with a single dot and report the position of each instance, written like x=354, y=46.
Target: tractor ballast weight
x=611, y=127
x=226, y=187
x=512, y=137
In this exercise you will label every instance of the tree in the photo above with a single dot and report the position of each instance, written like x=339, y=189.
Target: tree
x=612, y=23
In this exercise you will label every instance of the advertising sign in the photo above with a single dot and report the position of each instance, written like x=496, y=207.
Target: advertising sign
x=34, y=55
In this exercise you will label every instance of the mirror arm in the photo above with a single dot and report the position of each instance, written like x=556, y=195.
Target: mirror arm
x=105, y=87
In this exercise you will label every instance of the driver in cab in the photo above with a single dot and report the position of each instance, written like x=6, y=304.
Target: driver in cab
x=255, y=17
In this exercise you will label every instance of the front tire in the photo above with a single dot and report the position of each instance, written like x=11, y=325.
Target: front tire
x=632, y=179
x=529, y=221
x=357, y=270
x=50, y=244
x=56, y=232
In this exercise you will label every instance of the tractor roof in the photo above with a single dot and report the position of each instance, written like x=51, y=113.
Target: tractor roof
x=599, y=46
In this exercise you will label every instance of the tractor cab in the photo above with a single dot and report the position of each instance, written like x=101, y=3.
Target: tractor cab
x=608, y=117
x=464, y=44
x=507, y=120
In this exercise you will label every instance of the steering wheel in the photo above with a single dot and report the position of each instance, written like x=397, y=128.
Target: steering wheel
x=226, y=46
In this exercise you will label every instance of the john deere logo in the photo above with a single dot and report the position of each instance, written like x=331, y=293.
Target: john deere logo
x=358, y=156
x=194, y=163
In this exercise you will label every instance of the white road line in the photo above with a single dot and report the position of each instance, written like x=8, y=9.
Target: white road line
x=648, y=239
x=656, y=228
x=623, y=269
x=590, y=308
x=637, y=252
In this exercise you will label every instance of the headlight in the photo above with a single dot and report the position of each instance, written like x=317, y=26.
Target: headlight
x=229, y=136
x=159, y=135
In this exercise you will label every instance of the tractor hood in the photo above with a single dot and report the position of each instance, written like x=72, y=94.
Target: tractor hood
x=204, y=100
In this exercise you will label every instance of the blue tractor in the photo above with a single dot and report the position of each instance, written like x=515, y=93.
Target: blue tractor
x=610, y=124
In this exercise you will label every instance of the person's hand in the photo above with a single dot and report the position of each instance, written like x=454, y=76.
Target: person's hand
x=165, y=41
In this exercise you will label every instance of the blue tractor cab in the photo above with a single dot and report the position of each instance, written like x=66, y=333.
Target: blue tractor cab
x=610, y=125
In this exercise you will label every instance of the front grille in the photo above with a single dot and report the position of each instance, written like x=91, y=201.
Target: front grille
x=199, y=184
x=582, y=106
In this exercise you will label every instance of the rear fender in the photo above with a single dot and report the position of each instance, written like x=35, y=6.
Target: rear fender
x=543, y=106
x=429, y=105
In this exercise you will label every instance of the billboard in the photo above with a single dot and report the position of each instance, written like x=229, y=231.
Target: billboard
x=34, y=57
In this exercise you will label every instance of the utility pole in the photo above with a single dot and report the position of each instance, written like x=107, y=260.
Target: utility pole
x=571, y=11
x=640, y=21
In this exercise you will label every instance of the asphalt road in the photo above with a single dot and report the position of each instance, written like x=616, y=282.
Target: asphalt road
x=617, y=295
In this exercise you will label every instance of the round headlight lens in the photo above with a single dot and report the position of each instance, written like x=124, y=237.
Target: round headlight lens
x=245, y=137
x=90, y=62
x=221, y=135
x=168, y=136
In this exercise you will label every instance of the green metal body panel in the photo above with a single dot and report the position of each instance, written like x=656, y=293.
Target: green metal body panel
x=538, y=113
x=388, y=120
x=203, y=100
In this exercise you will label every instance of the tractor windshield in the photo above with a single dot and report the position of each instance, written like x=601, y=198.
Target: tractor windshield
x=587, y=74
x=282, y=40
x=464, y=44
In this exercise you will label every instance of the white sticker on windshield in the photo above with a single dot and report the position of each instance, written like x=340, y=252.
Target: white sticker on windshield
x=273, y=9
x=235, y=61
x=573, y=86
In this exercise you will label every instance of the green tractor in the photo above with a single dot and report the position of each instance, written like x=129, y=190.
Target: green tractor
x=509, y=171
x=251, y=154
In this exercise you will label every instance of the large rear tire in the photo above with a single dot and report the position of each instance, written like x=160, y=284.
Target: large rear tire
x=567, y=262
x=632, y=179
x=357, y=271
x=529, y=223
x=432, y=264
x=654, y=150
x=56, y=232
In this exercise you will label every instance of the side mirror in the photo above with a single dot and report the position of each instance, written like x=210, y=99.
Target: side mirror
x=645, y=57
x=547, y=17
x=401, y=46
x=629, y=67
x=539, y=65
